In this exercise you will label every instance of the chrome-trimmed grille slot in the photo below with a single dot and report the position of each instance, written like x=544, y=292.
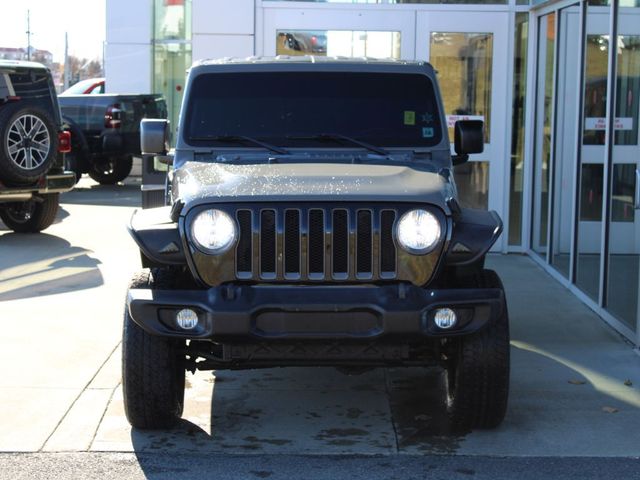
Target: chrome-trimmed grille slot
x=315, y=250
x=244, y=253
x=387, y=245
x=268, y=254
x=292, y=241
x=340, y=244
x=364, y=245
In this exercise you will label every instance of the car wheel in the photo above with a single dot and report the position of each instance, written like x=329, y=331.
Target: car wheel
x=153, y=371
x=477, y=372
x=111, y=170
x=31, y=216
x=28, y=143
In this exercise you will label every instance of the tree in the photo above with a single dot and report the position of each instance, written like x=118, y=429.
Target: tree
x=82, y=68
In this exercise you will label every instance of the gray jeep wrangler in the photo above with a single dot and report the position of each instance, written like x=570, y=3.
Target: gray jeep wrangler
x=312, y=220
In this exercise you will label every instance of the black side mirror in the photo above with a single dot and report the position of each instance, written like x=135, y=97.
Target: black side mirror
x=468, y=139
x=154, y=136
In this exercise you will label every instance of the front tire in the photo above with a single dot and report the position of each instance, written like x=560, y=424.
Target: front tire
x=31, y=216
x=477, y=374
x=153, y=373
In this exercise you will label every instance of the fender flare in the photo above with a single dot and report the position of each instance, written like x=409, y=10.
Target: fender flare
x=157, y=236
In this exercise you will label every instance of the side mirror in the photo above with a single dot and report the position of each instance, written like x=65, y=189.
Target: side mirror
x=154, y=136
x=468, y=138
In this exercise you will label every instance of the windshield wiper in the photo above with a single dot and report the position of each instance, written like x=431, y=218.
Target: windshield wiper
x=342, y=138
x=243, y=139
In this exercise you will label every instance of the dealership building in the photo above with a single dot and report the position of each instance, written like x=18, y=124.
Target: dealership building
x=557, y=84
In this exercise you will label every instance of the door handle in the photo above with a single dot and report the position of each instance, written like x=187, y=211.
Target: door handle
x=637, y=202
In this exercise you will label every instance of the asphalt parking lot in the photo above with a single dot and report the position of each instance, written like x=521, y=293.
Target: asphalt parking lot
x=575, y=389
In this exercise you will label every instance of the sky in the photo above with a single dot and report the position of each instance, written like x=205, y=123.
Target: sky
x=83, y=20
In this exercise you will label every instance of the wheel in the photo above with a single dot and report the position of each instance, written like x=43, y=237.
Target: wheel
x=32, y=216
x=111, y=170
x=153, y=372
x=477, y=374
x=72, y=164
x=28, y=143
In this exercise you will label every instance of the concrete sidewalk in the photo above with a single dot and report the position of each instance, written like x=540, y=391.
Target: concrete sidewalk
x=60, y=369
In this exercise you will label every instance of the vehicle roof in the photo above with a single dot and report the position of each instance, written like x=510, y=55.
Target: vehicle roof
x=21, y=64
x=310, y=62
x=306, y=59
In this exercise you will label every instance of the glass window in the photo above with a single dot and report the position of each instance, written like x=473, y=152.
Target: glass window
x=378, y=108
x=517, y=131
x=171, y=52
x=463, y=62
x=543, y=126
x=340, y=43
x=172, y=19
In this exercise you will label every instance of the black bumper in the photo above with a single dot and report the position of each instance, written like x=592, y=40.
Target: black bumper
x=51, y=183
x=313, y=312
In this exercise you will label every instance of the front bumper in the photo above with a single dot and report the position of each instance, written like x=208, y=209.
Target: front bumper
x=244, y=312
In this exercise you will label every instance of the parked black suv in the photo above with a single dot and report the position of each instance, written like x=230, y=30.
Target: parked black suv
x=313, y=220
x=32, y=147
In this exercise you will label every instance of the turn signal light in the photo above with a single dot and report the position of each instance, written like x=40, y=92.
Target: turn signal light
x=64, y=142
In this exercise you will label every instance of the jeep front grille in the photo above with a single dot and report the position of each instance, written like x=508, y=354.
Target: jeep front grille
x=316, y=244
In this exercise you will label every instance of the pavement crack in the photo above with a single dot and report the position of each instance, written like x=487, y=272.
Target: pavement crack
x=393, y=422
x=75, y=400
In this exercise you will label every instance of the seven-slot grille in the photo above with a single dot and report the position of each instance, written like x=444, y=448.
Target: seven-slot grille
x=306, y=244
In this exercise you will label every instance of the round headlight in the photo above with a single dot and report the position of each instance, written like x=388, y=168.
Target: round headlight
x=213, y=231
x=418, y=231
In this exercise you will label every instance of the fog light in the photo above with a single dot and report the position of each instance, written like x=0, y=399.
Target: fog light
x=187, y=319
x=445, y=318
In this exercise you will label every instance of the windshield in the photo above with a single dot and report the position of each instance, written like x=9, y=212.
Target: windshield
x=290, y=108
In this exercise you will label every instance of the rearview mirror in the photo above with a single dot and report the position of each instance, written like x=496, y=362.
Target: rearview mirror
x=468, y=139
x=154, y=136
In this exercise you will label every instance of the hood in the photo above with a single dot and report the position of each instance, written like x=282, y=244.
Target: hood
x=200, y=182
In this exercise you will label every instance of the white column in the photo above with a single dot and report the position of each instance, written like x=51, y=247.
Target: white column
x=128, y=55
x=223, y=28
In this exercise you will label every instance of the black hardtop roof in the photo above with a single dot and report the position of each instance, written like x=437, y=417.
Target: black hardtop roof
x=283, y=63
x=16, y=64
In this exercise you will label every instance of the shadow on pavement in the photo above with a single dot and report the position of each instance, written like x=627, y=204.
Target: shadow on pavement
x=309, y=411
x=43, y=264
x=86, y=193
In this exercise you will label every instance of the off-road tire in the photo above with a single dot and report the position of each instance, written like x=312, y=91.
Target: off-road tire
x=112, y=170
x=14, y=165
x=477, y=375
x=153, y=373
x=32, y=216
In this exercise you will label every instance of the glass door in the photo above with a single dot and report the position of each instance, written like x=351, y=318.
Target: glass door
x=593, y=153
x=624, y=221
x=471, y=56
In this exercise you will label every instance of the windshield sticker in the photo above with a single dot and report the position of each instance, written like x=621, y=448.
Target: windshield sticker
x=409, y=117
x=427, y=118
x=427, y=132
